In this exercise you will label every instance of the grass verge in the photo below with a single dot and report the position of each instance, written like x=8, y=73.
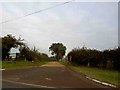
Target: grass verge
x=21, y=64
x=0, y=63
x=109, y=76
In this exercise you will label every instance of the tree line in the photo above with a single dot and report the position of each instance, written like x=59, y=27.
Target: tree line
x=26, y=53
x=106, y=59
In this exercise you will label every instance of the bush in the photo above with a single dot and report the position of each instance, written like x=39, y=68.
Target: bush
x=108, y=59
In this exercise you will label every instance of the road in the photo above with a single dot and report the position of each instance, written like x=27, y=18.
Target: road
x=8, y=85
x=51, y=75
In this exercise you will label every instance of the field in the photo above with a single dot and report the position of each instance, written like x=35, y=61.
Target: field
x=21, y=64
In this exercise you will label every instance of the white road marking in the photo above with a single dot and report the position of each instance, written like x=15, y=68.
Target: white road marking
x=33, y=85
x=107, y=84
x=2, y=69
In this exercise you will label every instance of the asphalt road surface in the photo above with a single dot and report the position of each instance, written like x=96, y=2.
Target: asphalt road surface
x=8, y=85
x=51, y=75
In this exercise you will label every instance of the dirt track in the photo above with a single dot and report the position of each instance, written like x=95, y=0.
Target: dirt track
x=53, y=64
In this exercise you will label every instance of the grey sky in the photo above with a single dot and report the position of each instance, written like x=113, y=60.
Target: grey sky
x=93, y=24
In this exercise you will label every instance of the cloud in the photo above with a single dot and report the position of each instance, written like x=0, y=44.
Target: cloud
x=73, y=24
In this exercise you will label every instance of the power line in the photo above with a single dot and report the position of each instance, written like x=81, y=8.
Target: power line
x=35, y=12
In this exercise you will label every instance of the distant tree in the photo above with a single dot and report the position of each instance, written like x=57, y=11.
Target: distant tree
x=24, y=52
x=57, y=49
x=30, y=54
x=8, y=42
x=33, y=54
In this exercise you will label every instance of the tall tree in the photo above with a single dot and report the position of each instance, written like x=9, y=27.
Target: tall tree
x=57, y=49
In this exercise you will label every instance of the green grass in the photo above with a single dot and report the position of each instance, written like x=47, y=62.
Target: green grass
x=109, y=76
x=21, y=64
x=0, y=63
x=100, y=74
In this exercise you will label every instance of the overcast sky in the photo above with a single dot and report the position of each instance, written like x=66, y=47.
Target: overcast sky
x=93, y=24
